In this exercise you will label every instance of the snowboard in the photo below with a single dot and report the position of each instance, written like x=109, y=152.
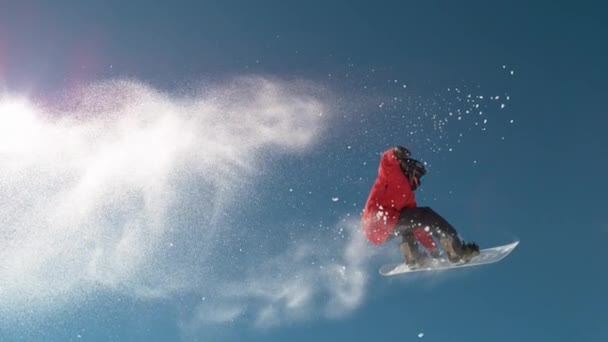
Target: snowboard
x=486, y=256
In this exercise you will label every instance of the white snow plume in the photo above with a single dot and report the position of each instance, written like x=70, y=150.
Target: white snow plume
x=308, y=280
x=132, y=189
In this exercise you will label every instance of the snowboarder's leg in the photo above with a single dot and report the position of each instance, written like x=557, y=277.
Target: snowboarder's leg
x=409, y=250
x=456, y=249
x=406, y=224
x=442, y=230
x=451, y=247
x=409, y=246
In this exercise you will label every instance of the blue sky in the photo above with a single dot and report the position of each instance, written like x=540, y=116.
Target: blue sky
x=196, y=171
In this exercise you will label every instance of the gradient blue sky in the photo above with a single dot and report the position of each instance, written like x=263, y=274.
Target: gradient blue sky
x=344, y=80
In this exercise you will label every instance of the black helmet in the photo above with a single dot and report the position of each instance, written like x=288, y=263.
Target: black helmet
x=401, y=152
x=413, y=170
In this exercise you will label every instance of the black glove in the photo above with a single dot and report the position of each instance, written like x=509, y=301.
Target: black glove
x=472, y=247
x=401, y=153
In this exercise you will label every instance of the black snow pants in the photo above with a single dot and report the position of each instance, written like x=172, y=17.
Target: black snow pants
x=422, y=217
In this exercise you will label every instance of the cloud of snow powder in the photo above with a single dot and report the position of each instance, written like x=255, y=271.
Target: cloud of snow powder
x=305, y=281
x=132, y=189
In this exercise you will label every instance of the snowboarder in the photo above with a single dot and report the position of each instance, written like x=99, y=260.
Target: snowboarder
x=391, y=211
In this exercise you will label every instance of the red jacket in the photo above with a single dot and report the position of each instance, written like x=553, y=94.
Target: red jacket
x=390, y=194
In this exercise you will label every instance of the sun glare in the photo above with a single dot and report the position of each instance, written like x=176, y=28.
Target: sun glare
x=19, y=127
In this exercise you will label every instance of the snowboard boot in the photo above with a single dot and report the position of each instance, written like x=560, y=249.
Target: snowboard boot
x=412, y=258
